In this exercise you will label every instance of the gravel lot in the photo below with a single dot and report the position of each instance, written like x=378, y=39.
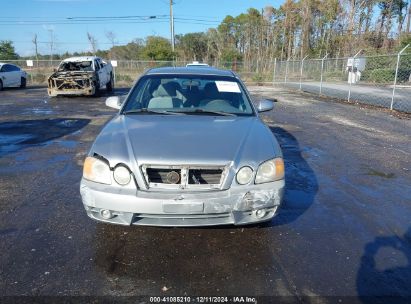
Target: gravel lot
x=344, y=229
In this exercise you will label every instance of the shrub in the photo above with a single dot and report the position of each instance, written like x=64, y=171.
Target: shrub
x=386, y=75
x=404, y=75
x=381, y=75
x=39, y=78
x=258, y=78
x=123, y=77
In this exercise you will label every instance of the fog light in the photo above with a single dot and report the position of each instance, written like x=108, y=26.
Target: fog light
x=260, y=213
x=122, y=175
x=244, y=175
x=106, y=214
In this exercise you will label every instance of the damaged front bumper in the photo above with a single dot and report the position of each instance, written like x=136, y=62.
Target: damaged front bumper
x=75, y=84
x=238, y=206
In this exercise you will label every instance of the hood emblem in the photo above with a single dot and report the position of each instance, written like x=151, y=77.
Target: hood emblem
x=172, y=177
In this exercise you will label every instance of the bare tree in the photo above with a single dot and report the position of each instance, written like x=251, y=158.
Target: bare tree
x=93, y=42
x=306, y=21
x=35, y=42
x=409, y=17
x=386, y=42
x=52, y=41
x=112, y=38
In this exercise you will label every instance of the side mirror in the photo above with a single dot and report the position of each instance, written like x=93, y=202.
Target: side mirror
x=113, y=102
x=265, y=105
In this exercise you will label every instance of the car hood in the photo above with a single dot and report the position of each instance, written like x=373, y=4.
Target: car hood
x=83, y=74
x=232, y=142
x=185, y=139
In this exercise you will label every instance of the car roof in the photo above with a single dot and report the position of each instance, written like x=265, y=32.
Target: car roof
x=80, y=58
x=196, y=64
x=192, y=70
x=3, y=63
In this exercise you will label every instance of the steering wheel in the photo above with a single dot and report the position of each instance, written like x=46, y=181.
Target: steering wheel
x=221, y=105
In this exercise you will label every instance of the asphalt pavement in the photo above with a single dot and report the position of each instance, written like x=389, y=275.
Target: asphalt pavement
x=343, y=233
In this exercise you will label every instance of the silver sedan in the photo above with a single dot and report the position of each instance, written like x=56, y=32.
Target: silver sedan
x=187, y=148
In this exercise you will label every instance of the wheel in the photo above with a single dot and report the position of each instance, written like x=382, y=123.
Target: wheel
x=23, y=82
x=97, y=90
x=1, y=85
x=110, y=84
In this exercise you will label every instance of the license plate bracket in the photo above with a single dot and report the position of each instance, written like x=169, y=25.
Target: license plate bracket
x=183, y=208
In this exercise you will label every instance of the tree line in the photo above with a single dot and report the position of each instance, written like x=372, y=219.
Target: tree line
x=296, y=29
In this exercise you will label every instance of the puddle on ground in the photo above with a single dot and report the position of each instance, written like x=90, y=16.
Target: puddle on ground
x=15, y=135
x=12, y=142
x=42, y=111
x=312, y=152
x=38, y=111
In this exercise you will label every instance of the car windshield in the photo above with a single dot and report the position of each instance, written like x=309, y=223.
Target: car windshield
x=203, y=95
x=75, y=66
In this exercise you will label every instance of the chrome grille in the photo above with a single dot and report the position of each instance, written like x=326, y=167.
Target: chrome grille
x=204, y=176
x=159, y=175
x=184, y=176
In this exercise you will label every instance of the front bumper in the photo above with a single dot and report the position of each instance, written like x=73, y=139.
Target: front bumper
x=73, y=92
x=237, y=205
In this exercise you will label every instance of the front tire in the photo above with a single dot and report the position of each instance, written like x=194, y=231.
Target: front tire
x=23, y=82
x=110, y=84
x=1, y=85
x=97, y=89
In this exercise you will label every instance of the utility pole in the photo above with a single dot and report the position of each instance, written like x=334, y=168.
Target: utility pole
x=35, y=42
x=172, y=25
x=409, y=18
x=51, y=45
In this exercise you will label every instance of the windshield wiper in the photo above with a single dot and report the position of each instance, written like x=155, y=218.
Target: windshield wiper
x=149, y=111
x=202, y=111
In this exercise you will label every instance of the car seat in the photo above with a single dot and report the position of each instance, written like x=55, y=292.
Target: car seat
x=210, y=93
x=164, y=97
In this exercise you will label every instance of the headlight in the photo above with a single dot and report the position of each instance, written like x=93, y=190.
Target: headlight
x=244, y=175
x=122, y=175
x=97, y=171
x=270, y=171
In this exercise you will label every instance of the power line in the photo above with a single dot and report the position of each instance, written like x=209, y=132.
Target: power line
x=117, y=17
x=87, y=17
x=80, y=23
x=83, y=20
x=48, y=42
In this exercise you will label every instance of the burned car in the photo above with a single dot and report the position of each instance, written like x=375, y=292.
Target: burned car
x=187, y=148
x=81, y=76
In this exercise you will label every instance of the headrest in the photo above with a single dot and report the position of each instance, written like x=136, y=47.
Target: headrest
x=168, y=89
x=211, y=90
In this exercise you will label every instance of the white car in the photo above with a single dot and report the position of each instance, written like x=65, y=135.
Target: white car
x=196, y=64
x=12, y=76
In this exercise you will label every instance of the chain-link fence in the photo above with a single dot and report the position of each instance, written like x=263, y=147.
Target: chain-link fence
x=127, y=71
x=380, y=80
x=383, y=80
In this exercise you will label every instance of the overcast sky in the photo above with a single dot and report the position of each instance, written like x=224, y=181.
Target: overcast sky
x=21, y=19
